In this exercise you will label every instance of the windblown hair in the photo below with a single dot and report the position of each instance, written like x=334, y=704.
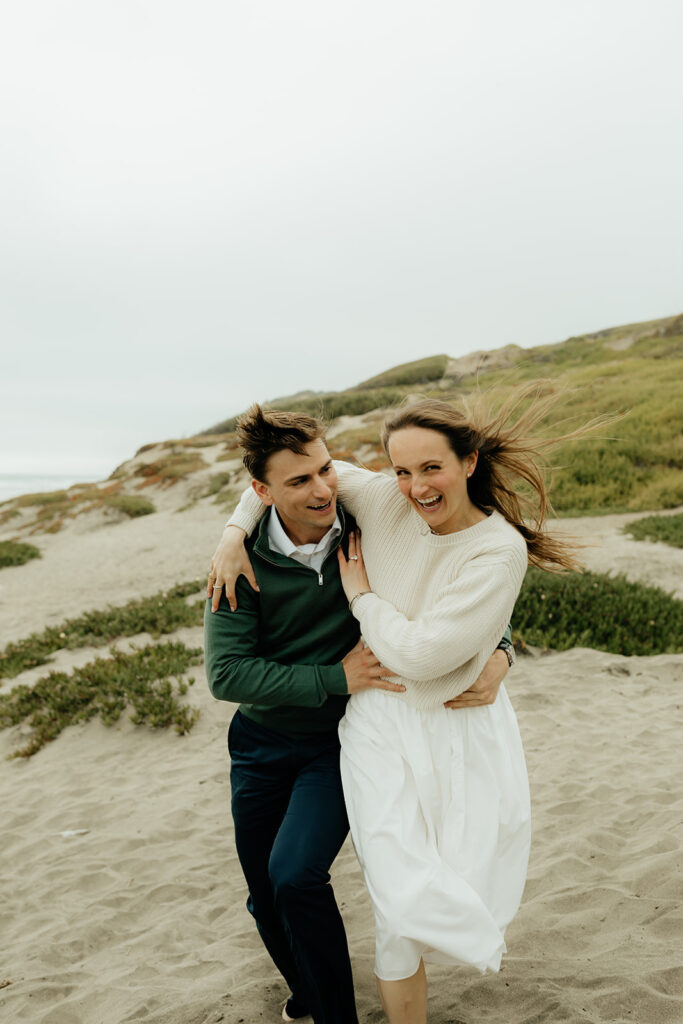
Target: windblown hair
x=508, y=454
x=263, y=432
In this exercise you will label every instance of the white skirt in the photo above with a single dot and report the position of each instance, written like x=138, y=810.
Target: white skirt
x=438, y=803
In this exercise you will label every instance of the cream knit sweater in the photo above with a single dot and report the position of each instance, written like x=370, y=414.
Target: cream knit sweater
x=440, y=602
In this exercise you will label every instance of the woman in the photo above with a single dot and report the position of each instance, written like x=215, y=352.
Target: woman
x=438, y=801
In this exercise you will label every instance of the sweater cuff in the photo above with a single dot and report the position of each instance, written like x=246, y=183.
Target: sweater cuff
x=335, y=680
x=245, y=522
x=361, y=602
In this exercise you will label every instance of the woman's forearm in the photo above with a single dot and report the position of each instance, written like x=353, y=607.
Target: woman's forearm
x=470, y=616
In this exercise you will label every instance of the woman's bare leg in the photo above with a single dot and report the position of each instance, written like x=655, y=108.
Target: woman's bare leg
x=405, y=1001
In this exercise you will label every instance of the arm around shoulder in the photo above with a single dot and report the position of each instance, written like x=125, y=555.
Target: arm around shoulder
x=352, y=484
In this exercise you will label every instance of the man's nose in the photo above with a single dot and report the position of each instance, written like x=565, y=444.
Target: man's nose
x=322, y=489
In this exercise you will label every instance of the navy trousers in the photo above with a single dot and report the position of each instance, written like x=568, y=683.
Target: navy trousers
x=290, y=823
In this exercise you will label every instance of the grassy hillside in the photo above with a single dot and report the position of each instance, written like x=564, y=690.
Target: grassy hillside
x=633, y=371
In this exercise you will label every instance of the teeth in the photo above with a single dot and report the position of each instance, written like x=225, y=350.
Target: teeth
x=429, y=501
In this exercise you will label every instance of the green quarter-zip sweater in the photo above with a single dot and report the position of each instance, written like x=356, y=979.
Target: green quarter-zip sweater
x=279, y=654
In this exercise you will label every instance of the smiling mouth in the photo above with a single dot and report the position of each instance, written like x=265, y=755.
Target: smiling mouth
x=321, y=508
x=429, y=504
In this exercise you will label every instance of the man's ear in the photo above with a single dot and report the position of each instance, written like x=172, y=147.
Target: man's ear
x=263, y=492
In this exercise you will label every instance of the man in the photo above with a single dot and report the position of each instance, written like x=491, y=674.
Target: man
x=290, y=653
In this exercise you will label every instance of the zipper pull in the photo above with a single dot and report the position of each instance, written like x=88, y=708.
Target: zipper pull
x=320, y=579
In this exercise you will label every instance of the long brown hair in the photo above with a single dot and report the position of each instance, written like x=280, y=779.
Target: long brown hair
x=507, y=453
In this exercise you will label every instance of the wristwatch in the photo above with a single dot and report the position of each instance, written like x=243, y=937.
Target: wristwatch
x=509, y=651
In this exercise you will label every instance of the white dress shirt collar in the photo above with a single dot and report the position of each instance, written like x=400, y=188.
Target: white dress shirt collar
x=310, y=555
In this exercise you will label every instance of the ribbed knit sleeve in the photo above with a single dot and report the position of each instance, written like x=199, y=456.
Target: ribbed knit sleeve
x=357, y=486
x=352, y=492
x=249, y=512
x=468, y=615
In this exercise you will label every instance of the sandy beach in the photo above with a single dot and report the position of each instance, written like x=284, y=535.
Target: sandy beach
x=139, y=916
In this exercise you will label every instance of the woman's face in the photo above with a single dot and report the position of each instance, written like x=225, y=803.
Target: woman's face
x=431, y=476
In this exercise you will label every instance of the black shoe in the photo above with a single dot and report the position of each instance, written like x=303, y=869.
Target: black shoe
x=294, y=1010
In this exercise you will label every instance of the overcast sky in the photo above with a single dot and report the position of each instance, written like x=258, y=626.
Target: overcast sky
x=207, y=203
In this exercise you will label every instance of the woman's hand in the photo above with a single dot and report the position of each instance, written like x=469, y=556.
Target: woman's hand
x=485, y=689
x=229, y=561
x=353, y=575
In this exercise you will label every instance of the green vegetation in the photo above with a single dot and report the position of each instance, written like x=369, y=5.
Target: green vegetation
x=8, y=513
x=161, y=613
x=360, y=446
x=420, y=371
x=329, y=406
x=594, y=610
x=14, y=553
x=170, y=468
x=357, y=437
x=186, y=442
x=131, y=504
x=53, y=507
x=105, y=687
x=635, y=462
x=666, y=529
x=228, y=498
x=41, y=498
x=216, y=482
x=630, y=372
x=231, y=448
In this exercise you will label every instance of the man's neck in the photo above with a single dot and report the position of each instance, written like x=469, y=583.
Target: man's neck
x=304, y=536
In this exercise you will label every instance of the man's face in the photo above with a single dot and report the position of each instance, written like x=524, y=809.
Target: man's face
x=303, y=489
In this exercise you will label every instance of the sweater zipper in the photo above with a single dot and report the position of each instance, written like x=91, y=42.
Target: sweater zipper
x=278, y=566
x=320, y=575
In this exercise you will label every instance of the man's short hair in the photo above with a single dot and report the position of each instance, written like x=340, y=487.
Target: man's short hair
x=263, y=432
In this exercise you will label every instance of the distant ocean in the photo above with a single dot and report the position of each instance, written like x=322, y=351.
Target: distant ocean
x=14, y=484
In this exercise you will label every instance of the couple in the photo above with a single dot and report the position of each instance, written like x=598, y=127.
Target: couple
x=431, y=765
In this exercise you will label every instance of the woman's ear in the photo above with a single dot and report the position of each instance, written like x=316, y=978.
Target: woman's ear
x=471, y=462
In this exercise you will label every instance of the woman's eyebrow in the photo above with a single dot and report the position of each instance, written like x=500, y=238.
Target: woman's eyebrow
x=427, y=462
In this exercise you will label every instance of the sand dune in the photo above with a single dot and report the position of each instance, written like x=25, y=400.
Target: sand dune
x=141, y=917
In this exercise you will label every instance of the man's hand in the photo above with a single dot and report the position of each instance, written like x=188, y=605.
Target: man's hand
x=485, y=690
x=230, y=560
x=363, y=671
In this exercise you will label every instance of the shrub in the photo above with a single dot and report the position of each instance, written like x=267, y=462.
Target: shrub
x=606, y=613
x=170, y=468
x=14, y=553
x=131, y=504
x=420, y=371
x=8, y=513
x=356, y=437
x=228, y=498
x=329, y=406
x=634, y=369
x=216, y=483
x=161, y=613
x=52, y=508
x=667, y=529
x=41, y=498
x=105, y=687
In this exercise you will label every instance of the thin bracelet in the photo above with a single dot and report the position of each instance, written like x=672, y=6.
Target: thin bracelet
x=361, y=593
